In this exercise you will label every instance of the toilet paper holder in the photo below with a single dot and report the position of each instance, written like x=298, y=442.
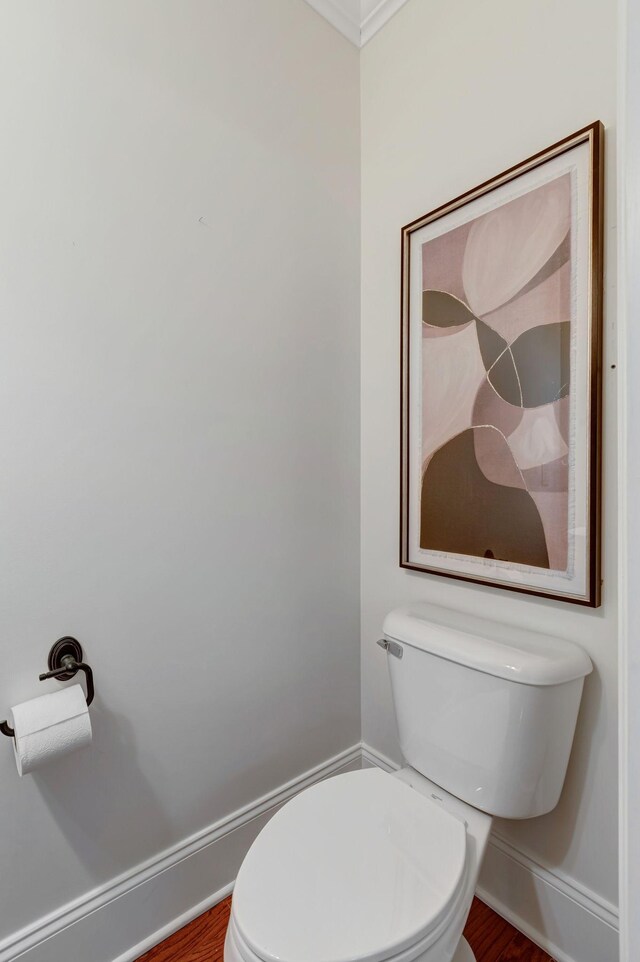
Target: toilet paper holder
x=65, y=661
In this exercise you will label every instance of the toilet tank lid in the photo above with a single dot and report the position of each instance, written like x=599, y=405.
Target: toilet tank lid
x=505, y=651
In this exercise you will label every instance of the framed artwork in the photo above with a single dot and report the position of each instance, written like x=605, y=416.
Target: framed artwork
x=501, y=379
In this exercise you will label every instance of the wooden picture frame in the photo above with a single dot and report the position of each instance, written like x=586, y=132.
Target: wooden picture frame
x=501, y=354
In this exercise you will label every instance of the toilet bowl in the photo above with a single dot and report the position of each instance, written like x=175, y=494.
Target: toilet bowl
x=368, y=866
x=363, y=866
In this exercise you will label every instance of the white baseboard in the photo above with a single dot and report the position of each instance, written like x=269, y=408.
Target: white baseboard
x=177, y=923
x=373, y=759
x=563, y=917
x=567, y=920
x=121, y=920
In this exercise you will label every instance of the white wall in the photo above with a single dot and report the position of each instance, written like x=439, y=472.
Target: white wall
x=179, y=403
x=453, y=93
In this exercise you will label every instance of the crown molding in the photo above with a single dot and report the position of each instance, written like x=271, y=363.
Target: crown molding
x=357, y=20
x=375, y=19
x=340, y=15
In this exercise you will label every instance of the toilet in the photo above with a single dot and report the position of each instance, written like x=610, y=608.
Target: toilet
x=368, y=866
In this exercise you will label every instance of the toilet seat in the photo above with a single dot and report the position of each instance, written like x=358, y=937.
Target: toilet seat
x=359, y=868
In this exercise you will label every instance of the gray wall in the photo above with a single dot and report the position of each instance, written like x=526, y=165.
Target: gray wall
x=179, y=354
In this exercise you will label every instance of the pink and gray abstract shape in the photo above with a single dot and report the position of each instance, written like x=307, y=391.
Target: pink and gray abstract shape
x=496, y=383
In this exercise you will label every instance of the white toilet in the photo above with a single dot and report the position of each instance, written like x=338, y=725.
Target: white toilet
x=372, y=867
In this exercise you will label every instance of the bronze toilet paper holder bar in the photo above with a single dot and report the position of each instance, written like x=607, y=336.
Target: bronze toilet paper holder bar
x=65, y=661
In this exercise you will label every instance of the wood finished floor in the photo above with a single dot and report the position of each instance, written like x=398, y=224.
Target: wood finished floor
x=491, y=938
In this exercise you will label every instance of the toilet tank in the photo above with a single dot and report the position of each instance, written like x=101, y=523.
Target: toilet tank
x=485, y=710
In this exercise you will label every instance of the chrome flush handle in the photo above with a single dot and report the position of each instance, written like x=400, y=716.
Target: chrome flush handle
x=392, y=647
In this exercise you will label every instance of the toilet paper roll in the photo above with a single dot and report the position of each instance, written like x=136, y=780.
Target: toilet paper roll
x=49, y=727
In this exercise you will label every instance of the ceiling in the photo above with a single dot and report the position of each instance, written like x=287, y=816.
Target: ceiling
x=358, y=20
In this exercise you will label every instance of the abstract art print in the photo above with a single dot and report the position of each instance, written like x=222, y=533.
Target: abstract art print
x=501, y=357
